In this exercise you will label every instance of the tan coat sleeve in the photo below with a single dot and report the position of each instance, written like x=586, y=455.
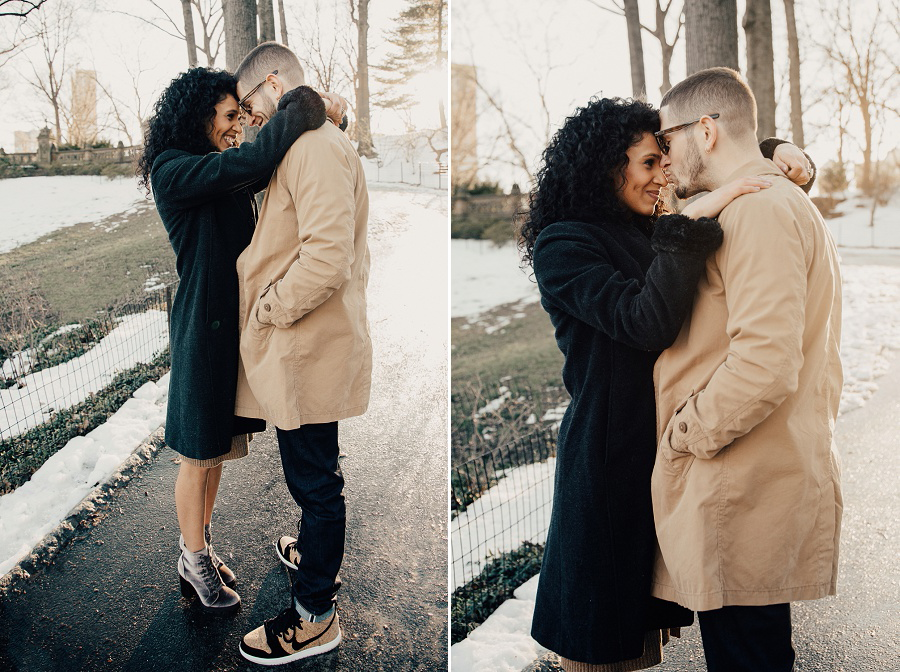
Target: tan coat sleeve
x=763, y=266
x=321, y=184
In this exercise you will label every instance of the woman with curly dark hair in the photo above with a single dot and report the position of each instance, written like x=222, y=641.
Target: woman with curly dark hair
x=203, y=181
x=617, y=275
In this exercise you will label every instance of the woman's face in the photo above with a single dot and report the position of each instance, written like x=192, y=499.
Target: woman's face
x=225, y=127
x=643, y=177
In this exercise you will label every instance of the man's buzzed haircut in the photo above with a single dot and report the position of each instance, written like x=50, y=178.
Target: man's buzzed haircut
x=266, y=59
x=713, y=90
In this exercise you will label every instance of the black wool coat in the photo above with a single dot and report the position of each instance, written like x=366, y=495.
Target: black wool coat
x=616, y=297
x=206, y=202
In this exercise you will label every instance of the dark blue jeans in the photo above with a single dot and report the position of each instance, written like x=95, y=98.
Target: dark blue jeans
x=747, y=639
x=309, y=456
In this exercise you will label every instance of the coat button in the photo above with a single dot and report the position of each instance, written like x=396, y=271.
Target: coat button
x=682, y=427
x=267, y=307
x=215, y=325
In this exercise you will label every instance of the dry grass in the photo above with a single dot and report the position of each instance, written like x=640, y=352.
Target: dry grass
x=80, y=270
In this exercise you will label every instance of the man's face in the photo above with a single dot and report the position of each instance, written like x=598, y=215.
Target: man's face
x=683, y=164
x=261, y=103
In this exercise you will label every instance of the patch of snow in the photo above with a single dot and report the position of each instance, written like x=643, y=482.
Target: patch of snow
x=17, y=365
x=484, y=276
x=503, y=642
x=851, y=228
x=495, y=405
x=31, y=207
x=65, y=329
x=137, y=338
x=37, y=506
x=153, y=284
x=870, y=332
x=514, y=510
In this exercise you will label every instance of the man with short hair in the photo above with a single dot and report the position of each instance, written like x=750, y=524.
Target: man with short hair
x=306, y=356
x=746, y=485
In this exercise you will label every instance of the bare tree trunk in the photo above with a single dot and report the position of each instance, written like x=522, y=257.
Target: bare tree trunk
x=266, y=21
x=283, y=21
x=363, y=123
x=794, y=53
x=760, y=64
x=635, y=48
x=711, y=34
x=240, y=30
x=189, y=33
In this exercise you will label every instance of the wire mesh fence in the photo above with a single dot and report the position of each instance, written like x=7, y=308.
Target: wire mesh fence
x=65, y=367
x=421, y=174
x=501, y=502
x=489, y=414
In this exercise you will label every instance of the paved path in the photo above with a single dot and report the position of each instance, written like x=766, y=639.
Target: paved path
x=111, y=600
x=859, y=629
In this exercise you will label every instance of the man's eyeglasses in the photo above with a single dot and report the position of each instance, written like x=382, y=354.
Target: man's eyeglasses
x=244, y=108
x=660, y=135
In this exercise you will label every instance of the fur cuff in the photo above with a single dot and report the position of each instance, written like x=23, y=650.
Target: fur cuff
x=767, y=147
x=308, y=103
x=682, y=235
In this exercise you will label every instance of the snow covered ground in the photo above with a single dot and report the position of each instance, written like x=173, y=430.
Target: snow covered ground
x=33, y=206
x=37, y=506
x=852, y=228
x=484, y=275
x=138, y=338
x=409, y=243
x=517, y=509
x=503, y=642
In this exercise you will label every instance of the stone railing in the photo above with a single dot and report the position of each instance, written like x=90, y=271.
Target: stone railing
x=498, y=205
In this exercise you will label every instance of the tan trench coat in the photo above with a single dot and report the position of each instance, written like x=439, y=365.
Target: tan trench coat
x=746, y=485
x=306, y=355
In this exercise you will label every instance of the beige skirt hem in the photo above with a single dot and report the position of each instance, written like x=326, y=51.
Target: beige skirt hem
x=239, y=449
x=653, y=643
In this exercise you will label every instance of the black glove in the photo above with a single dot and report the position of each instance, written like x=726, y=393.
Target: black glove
x=305, y=101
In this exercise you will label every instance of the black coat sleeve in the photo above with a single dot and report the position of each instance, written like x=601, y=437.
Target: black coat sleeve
x=767, y=147
x=186, y=180
x=577, y=274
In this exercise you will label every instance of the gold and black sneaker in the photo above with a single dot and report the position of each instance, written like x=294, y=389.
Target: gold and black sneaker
x=286, y=548
x=289, y=637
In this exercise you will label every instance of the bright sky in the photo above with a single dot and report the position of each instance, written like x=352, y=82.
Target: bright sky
x=588, y=51
x=108, y=41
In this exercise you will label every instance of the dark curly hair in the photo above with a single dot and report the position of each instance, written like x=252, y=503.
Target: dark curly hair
x=576, y=180
x=182, y=114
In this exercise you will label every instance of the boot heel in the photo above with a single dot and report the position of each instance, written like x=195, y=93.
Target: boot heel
x=187, y=590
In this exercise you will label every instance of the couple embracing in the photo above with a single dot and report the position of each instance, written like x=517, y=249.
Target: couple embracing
x=696, y=470
x=269, y=321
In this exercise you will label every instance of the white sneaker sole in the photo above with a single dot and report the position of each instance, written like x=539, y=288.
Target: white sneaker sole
x=281, y=557
x=300, y=655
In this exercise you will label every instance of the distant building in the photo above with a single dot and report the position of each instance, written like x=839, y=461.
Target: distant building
x=26, y=142
x=464, y=143
x=83, y=126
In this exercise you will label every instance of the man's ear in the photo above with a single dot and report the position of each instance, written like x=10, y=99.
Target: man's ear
x=710, y=133
x=278, y=87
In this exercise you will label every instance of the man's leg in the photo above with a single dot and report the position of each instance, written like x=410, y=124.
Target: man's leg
x=748, y=639
x=309, y=456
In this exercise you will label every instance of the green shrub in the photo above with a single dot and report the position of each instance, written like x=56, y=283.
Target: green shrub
x=24, y=454
x=472, y=603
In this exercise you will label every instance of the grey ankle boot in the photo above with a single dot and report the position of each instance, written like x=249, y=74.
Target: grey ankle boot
x=201, y=578
x=226, y=574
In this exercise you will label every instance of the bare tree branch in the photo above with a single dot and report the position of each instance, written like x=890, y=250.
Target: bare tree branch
x=24, y=7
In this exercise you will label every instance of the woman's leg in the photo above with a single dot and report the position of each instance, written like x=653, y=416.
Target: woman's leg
x=213, y=478
x=190, y=502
